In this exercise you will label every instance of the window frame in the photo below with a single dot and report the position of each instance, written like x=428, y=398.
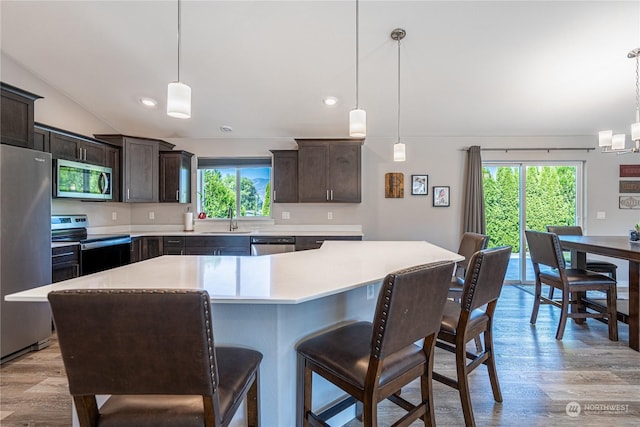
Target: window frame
x=240, y=164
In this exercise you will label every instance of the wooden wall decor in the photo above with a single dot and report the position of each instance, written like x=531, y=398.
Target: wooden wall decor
x=630, y=171
x=629, y=186
x=629, y=202
x=394, y=185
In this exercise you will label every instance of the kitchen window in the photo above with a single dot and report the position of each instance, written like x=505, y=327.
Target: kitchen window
x=243, y=184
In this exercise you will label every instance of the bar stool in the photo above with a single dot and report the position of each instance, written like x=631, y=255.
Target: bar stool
x=373, y=361
x=471, y=317
x=153, y=352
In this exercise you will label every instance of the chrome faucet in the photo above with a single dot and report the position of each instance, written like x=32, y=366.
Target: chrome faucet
x=232, y=226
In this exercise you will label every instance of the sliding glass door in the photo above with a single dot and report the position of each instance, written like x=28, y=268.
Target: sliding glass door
x=529, y=195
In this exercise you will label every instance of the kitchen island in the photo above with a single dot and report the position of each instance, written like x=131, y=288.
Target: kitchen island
x=270, y=303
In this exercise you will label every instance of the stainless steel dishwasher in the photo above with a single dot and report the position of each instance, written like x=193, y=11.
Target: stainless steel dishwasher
x=267, y=245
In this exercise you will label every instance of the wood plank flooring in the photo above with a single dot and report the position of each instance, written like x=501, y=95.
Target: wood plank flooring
x=539, y=377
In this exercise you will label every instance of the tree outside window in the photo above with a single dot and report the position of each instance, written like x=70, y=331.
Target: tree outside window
x=246, y=189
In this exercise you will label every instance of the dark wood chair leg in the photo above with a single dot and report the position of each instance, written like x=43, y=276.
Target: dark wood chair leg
x=253, y=404
x=563, y=315
x=491, y=365
x=612, y=310
x=536, y=303
x=305, y=406
x=463, y=384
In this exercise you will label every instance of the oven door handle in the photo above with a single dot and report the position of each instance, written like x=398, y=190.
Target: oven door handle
x=103, y=243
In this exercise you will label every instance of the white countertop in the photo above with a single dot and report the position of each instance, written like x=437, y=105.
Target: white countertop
x=287, y=278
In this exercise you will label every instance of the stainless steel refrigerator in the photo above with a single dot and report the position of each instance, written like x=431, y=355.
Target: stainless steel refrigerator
x=25, y=246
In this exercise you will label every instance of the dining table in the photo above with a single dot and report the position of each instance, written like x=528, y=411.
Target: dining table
x=617, y=247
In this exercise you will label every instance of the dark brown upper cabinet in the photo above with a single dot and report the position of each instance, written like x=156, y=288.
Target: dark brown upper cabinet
x=285, y=176
x=77, y=148
x=16, y=116
x=329, y=170
x=175, y=176
x=139, y=159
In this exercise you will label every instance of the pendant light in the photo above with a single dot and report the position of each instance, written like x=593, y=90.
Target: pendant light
x=178, y=93
x=357, y=117
x=399, y=154
x=610, y=143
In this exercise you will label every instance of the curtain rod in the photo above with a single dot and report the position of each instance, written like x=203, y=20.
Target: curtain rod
x=506, y=150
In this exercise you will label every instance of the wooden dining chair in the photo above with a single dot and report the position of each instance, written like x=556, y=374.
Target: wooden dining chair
x=470, y=243
x=592, y=265
x=466, y=320
x=153, y=352
x=546, y=252
x=373, y=361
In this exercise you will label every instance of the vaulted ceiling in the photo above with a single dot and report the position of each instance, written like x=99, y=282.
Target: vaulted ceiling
x=469, y=68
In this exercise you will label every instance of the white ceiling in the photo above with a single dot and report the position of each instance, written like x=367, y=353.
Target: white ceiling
x=471, y=68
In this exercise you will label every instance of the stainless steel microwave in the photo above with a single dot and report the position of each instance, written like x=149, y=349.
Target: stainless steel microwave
x=81, y=180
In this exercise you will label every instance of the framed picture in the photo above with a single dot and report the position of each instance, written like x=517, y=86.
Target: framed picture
x=419, y=185
x=441, y=196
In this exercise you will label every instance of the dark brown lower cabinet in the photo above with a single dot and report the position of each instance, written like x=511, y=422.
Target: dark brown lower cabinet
x=146, y=247
x=65, y=263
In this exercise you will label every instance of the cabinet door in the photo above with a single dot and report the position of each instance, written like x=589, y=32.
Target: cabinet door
x=16, y=116
x=136, y=250
x=141, y=171
x=65, y=263
x=91, y=152
x=344, y=163
x=64, y=147
x=41, y=140
x=112, y=160
x=173, y=245
x=175, y=177
x=312, y=173
x=285, y=176
x=152, y=247
x=217, y=245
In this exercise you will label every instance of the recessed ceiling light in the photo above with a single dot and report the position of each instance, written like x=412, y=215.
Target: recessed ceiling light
x=330, y=101
x=148, y=102
x=226, y=129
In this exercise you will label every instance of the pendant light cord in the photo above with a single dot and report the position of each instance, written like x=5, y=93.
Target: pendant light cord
x=179, y=9
x=637, y=83
x=357, y=50
x=398, y=90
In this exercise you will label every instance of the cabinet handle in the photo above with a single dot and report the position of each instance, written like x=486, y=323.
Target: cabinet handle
x=85, y=154
x=77, y=266
x=177, y=194
x=274, y=195
x=327, y=194
x=79, y=153
x=320, y=241
x=127, y=194
x=63, y=254
x=173, y=241
x=331, y=194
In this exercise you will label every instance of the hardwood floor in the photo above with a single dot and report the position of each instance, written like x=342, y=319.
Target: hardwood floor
x=539, y=377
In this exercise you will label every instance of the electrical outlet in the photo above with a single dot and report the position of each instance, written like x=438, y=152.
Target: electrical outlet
x=369, y=292
x=114, y=216
x=601, y=215
x=329, y=215
x=286, y=215
x=152, y=215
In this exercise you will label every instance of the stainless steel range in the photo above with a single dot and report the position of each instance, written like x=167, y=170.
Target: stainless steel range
x=98, y=252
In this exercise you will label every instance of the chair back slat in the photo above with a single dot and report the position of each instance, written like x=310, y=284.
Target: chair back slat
x=127, y=341
x=545, y=249
x=485, y=276
x=409, y=307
